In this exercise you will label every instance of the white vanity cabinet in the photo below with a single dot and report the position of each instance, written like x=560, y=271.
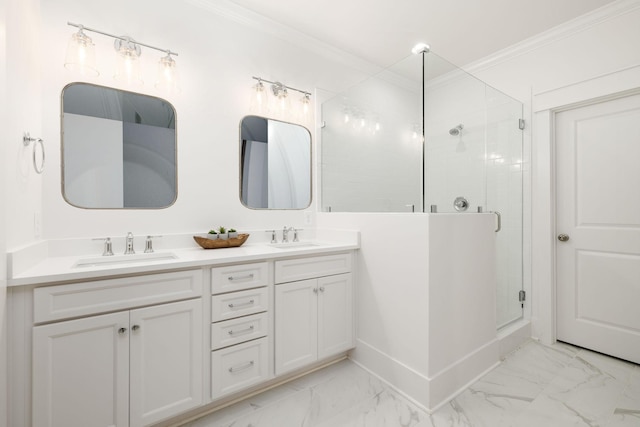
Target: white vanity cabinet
x=128, y=368
x=239, y=328
x=313, y=310
x=133, y=348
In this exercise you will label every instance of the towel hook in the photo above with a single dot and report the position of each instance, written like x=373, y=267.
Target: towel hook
x=27, y=140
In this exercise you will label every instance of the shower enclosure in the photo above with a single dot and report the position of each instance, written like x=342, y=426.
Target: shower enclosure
x=425, y=136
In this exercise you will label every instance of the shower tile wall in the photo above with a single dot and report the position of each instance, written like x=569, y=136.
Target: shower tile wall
x=371, y=158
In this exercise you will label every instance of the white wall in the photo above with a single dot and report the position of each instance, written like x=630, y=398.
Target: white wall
x=217, y=57
x=461, y=305
x=23, y=186
x=20, y=186
x=3, y=237
x=391, y=295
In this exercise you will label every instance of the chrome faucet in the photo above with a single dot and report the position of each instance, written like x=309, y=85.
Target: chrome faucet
x=285, y=234
x=273, y=236
x=129, y=245
x=148, y=244
x=107, y=251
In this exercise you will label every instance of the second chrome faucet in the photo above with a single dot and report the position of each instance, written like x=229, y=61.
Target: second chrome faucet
x=129, y=244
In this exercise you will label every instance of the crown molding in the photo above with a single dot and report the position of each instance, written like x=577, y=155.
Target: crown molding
x=564, y=30
x=235, y=13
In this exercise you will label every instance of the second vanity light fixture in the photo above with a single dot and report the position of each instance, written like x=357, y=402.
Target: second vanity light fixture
x=275, y=99
x=81, y=57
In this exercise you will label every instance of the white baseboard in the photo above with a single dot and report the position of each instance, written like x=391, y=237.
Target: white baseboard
x=428, y=393
x=404, y=379
x=458, y=376
x=513, y=336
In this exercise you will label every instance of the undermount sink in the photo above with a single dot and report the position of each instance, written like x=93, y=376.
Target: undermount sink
x=123, y=259
x=292, y=245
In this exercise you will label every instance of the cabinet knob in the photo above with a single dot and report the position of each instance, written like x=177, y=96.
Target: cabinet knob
x=321, y=288
x=121, y=331
x=563, y=237
x=135, y=327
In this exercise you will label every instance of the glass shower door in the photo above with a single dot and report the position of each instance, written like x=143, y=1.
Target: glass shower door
x=473, y=151
x=504, y=180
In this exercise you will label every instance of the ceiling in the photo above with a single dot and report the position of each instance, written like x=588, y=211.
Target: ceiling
x=384, y=31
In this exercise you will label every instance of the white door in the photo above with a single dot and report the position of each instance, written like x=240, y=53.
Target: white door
x=296, y=324
x=598, y=209
x=81, y=372
x=166, y=360
x=335, y=315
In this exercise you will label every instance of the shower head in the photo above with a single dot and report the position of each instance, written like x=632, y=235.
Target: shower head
x=456, y=130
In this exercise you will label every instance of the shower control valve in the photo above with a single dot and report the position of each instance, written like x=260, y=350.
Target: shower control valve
x=461, y=204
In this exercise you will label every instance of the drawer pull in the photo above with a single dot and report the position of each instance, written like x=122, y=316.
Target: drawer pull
x=243, y=331
x=248, y=276
x=250, y=302
x=241, y=367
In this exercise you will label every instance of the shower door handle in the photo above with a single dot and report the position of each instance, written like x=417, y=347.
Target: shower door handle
x=498, y=221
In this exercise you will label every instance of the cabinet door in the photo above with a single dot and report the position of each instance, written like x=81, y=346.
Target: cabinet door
x=81, y=372
x=335, y=315
x=296, y=325
x=166, y=360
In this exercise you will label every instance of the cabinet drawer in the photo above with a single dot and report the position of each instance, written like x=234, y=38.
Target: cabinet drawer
x=291, y=270
x=238, y=277
x=238, y=367
x=236, y=331
x=236, y=304
x=100, y=296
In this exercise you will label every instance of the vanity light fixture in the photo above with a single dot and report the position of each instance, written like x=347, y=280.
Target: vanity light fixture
x=259, y=98
x=282, y=103
x=305, y=102
x=280, y=99
x=167, y=75
x=81, y=56
x=127, y=61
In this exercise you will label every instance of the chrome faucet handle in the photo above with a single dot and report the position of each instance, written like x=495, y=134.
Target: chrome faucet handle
x=295, y=234
x=273, y=235
x=285, y=234
x=108, y=248
x=129, y=244
x=148, y=245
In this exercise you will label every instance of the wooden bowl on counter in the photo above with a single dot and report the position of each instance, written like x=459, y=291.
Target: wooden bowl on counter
x=232, y=242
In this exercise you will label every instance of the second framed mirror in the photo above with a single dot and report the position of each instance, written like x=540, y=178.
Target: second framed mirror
x=275, y=164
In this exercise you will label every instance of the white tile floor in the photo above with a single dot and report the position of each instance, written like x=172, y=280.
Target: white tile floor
x=536, y=386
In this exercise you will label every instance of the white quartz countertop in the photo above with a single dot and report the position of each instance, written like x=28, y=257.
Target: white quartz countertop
x=62, y=268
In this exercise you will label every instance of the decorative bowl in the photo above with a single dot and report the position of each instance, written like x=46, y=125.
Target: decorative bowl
x=206, y=243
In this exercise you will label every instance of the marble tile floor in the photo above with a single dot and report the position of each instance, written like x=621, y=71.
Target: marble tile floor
x=536, y=386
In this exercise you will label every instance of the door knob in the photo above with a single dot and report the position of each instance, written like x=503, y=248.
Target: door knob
x=563, y=237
